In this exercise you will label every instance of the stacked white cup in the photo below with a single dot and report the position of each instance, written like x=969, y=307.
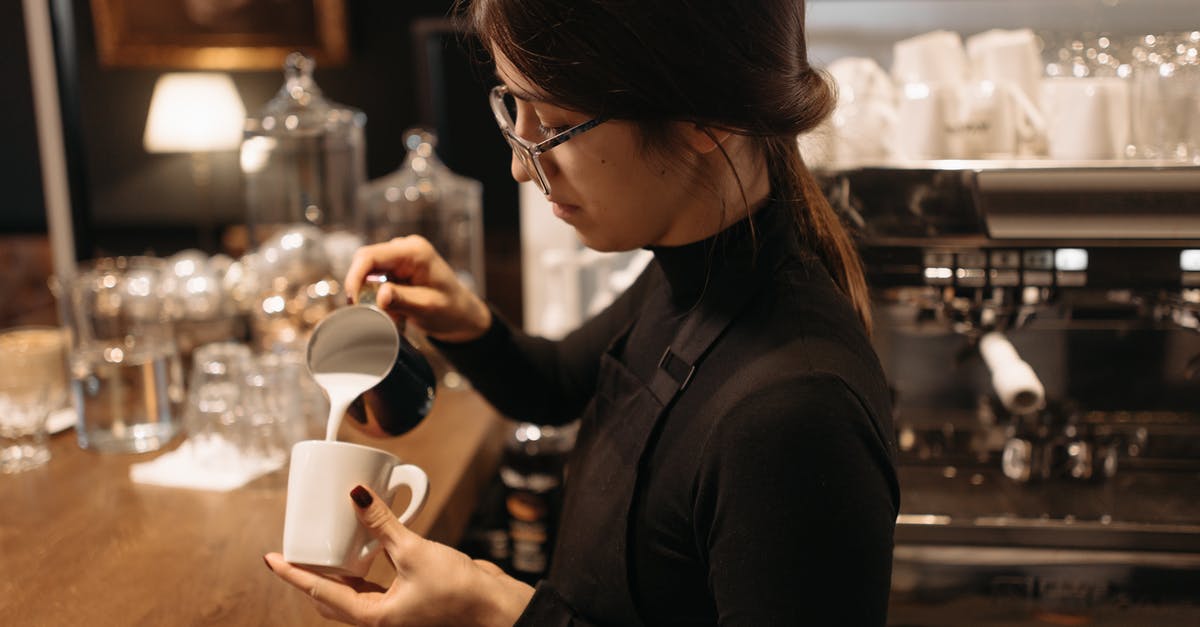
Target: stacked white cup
x=1006, y=70
x=967, y=102
x=864, y=118
x=930, y=70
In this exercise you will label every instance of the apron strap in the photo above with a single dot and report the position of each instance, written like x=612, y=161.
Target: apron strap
x=728, y=295
x=591, y=568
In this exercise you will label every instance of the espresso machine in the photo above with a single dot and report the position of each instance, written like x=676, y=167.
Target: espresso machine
x=1040, y=329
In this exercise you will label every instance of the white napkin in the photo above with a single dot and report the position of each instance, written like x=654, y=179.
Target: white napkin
x=209, y=463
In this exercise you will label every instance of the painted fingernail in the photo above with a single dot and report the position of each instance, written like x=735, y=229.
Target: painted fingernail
x=349, y=300
x=268, y=564
x=361, y=497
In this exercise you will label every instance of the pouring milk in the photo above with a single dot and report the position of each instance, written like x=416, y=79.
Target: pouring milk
x=359, y=350
x=342, y=388
x=349, y=352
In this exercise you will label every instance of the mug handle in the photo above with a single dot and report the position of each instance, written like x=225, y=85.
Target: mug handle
x=418, y=482
x=1032, y=126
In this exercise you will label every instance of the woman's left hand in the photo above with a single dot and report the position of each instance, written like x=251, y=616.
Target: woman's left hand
x=434, y=584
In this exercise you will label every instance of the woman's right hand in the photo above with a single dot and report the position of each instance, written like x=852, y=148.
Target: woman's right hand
x=425, y=289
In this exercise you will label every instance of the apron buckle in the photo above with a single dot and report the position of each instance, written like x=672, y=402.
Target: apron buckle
x=679, y=370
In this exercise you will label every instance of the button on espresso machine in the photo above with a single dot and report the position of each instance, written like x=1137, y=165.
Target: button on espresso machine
x=1038, y=326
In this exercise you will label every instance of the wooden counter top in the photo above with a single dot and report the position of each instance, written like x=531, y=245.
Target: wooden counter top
x=80, y=544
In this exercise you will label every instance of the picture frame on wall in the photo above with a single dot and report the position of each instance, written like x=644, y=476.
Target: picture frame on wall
x=218, y=34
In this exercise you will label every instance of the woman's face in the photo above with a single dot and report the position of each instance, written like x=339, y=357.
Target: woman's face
x=604, y=183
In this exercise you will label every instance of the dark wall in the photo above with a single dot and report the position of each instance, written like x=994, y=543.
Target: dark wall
x=139, y=202
x=131, y=187
x=20, y=176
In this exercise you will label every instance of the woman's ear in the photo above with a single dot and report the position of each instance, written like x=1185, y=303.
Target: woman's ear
x=700, y=138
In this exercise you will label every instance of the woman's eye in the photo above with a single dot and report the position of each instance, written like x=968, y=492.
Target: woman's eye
x=551, y=131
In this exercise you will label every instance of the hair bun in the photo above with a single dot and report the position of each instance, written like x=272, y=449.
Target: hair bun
x=804, y=103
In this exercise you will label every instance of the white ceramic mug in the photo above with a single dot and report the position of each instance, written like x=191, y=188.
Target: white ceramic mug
x=928, y=121
x=1086, y=118
x=861, y=80
x=321, y=531
x=998, y=121
x=936, y=57
x=1007, y=56
x=865, y=114
x=976, y=120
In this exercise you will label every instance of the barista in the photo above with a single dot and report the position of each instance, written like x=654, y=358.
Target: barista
x=734, y=464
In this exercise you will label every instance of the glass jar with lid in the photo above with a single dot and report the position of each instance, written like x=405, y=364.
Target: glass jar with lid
x=302, y=157
x=424, y=197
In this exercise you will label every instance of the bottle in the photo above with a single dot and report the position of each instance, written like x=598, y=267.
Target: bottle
x=486, y=536
x=533, y=469
x=302, y=158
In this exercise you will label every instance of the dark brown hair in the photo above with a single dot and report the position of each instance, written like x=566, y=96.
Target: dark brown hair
x=737, y=65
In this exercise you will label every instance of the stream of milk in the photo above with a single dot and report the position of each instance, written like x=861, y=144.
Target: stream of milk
x=343, y=388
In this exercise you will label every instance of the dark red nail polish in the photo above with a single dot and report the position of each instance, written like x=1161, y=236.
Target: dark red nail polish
x=349, y=300
x=268, y=564
x=361, y=497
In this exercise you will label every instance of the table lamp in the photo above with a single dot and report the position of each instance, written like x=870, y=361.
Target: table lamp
x=197, y=113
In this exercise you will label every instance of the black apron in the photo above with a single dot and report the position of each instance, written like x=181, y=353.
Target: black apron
x=591, y=569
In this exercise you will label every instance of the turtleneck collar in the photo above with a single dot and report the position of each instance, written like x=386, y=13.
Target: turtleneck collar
x=690, y=267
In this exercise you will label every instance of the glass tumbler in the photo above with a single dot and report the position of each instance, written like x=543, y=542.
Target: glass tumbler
x=32, y=382
x=271, y=404
x=1166, y=97
x=214, y=418
x=125, y=370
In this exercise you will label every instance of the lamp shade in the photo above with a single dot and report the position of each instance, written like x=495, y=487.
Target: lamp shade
x=194, y=112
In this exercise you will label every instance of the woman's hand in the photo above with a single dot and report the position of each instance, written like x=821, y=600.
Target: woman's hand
x=434, y=584
x=427, y=291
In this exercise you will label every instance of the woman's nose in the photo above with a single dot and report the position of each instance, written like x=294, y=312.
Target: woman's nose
x=519, y=173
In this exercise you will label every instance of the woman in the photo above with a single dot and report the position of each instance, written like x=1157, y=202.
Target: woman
x=735, y=457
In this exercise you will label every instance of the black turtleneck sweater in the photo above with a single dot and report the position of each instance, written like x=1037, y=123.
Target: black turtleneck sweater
x=768, y=496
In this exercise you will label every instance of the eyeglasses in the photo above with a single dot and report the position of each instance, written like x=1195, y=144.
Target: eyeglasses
x=504, y=107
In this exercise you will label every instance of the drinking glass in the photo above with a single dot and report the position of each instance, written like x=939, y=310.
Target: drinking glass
x=125, y=371
x=201, y=311
x=214, y=418
x=271, y=406
x=32, y=382
x=1166, y=97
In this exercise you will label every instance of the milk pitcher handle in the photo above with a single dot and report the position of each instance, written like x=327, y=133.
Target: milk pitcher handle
x=370, y=288
x=368, y=293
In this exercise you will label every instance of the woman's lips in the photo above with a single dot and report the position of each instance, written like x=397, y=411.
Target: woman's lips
x=564, y=212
